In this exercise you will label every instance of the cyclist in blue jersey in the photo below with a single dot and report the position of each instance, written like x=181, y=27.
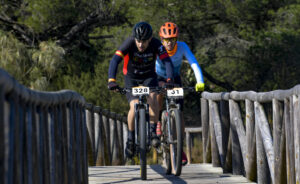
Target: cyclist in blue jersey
x=139, y=52
x=176, y=50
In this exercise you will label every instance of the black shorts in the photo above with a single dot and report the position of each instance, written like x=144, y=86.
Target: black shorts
x=177, y=83
x=131, y=82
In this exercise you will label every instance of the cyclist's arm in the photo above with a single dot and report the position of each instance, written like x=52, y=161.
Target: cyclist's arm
x=164, y=57
x=193, y=62
x=117, y=58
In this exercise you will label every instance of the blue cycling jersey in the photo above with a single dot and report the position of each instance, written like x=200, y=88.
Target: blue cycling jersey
x=182, y=50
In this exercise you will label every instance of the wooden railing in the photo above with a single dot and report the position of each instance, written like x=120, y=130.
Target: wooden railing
x=42, y=135
x=253, y=134
x=107, y=135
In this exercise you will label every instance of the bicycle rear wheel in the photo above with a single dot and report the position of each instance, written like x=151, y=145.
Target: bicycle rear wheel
x=176, y=143
x=166, y=145
x=143, y=143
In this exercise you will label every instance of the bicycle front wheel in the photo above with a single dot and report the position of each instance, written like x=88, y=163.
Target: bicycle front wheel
x=143, y=143
x=166, y=145
x=176, y=142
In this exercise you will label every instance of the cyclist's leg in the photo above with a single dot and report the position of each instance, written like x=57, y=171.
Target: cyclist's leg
x=160, y=97
x=153, y=109
x=129, y=150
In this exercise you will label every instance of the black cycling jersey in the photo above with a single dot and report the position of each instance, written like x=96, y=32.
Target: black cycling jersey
x=139, y=65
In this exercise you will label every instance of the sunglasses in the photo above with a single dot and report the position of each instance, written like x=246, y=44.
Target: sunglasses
x=169, y=39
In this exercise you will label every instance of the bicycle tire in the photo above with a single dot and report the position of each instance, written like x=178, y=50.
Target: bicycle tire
x=177, y=143
x=143, y=143
x=166, y=149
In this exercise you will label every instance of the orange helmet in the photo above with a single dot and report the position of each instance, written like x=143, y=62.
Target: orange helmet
x=168, y=30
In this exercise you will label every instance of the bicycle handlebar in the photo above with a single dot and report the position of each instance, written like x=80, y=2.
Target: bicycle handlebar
x=155, y=89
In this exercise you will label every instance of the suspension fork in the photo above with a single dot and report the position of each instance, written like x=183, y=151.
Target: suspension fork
x=147, y=123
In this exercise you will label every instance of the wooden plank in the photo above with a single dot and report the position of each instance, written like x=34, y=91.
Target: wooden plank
x=236, y=115
x=188, y=147
x=279, y=142
x=2, y=137
x=100, y=158
x=218, y=131
x=263, y=174
x=290, y=161
x=225, y=120
x=251, y=141
x=237, y=158
x=264, y=128
x=205, y=131
x=193, y=130
x=214, y=145
x=107, y=149
x=296, y=119
x=193, y=173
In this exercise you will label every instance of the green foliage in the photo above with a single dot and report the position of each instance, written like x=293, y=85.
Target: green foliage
x=249, y=44
x=31, y=67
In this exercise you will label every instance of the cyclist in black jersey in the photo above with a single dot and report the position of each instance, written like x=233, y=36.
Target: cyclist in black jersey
x=139, y=52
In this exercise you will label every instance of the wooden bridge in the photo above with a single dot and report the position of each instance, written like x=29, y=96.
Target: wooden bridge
x=56, y=137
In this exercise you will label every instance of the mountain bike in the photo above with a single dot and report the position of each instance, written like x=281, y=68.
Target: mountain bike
x=172, y=134
x=141, y=124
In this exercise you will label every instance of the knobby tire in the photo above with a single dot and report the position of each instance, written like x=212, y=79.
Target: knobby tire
x=143, y=143
x=166, y=147
x=176, y=148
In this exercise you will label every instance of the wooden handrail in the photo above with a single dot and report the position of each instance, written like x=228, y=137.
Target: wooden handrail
x=252, y=149
x=42, y=135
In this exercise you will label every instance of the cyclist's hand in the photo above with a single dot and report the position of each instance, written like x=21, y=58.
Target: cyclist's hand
x=199, y=87
x=112, y=86
x=169, y=84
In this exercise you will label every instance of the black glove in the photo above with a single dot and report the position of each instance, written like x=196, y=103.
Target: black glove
x=112, y=86
x=169, y=84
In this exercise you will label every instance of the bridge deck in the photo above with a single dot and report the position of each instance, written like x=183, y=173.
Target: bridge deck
x=194, y=173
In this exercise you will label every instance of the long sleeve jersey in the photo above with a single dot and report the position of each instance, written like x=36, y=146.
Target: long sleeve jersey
x=140, y=65
x=182, y=50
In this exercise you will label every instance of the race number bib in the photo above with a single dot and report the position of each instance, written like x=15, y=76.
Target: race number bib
x=140, y=90
x=175, y=92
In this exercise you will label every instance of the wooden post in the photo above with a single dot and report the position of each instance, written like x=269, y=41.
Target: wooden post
x=218, y=132
x=100, y=156
x=296, y=119
x=107, y=148
x=279, y=143
x=114, y=139
x=263, y=174
x=264, y=128
x=290, y=160
x=188, y=146
x=84, y=146
x=224, y=113
x=237, y=158
x=125, y=135
x=214, y=146
x=120, y=138
x=251, y=173
x=238, y=123
x=65, y=119
x=3, y=174
x=77, y=143
x=205, y=132
x=18, y=143
x=90, y=120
